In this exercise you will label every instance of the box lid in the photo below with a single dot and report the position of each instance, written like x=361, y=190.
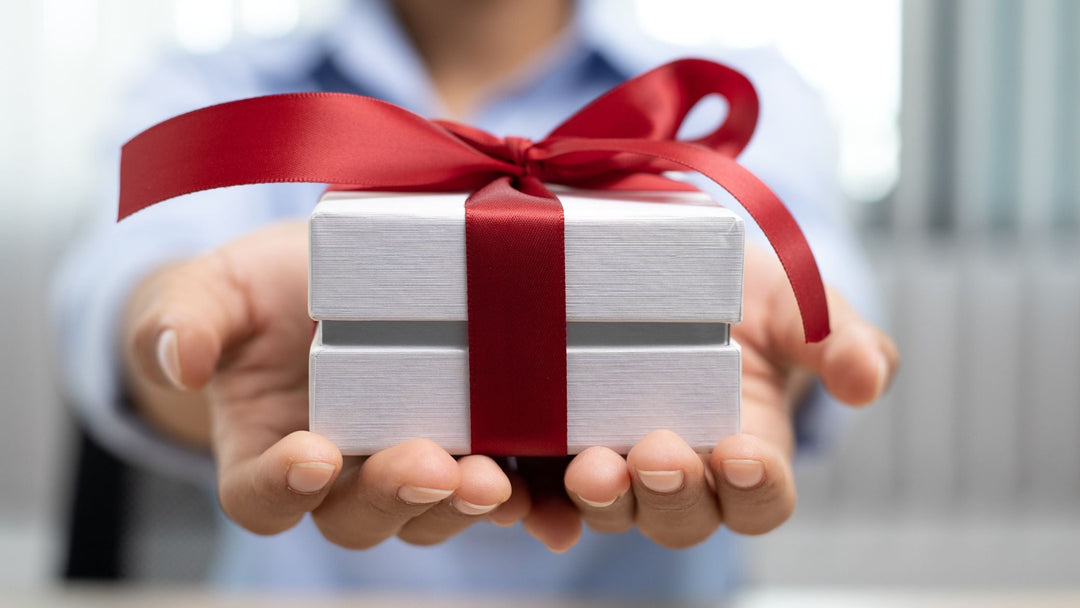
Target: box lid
x=629, y=257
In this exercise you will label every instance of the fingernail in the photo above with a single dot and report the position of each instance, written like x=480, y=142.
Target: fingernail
x=598, y=504
x=744, y=473
x=168, y=356
x=661, y=482
x=469, y=508
x=883, y=376
x=422, y=496
x=308, y=477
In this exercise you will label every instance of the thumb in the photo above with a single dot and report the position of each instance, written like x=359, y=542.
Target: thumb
x=184, y=316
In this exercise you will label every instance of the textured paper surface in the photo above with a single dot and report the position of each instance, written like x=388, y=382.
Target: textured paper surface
x=370, y=397
x=378, y=256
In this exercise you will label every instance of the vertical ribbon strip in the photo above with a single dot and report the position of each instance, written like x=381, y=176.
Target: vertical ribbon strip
x=517, y=320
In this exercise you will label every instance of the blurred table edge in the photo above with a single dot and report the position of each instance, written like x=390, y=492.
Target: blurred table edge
x=119, y=596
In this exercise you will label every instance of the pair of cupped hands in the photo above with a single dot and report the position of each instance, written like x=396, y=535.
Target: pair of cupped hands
x=217, y=354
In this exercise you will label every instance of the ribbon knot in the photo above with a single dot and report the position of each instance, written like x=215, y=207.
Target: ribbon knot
x=518, y=148
x=624, y=140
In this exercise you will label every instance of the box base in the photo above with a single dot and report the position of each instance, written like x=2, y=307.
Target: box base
x=369, y=397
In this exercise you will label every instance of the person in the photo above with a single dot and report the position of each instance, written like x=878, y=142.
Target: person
x=184, y=333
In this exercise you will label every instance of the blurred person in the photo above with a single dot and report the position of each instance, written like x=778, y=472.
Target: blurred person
x=184, y=334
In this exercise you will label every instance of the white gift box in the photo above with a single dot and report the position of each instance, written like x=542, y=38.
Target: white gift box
x=653, y=284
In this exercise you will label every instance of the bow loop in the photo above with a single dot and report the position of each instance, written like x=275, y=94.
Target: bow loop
x=645, y=108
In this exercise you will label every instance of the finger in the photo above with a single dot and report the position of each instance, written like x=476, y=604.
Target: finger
x=371, y=504
x=552, y=518
x=598, y=482
x=517, y=506
x=186, y=315
x=675, y=507
x=856, y=363
x=270, y=493
x=555, y=522
x=484, y=486
x=754, y=482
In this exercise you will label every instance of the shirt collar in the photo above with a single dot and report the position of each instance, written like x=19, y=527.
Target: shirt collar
x=370, y=48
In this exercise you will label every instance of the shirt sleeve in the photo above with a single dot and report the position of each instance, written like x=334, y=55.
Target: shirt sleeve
x=99, y=272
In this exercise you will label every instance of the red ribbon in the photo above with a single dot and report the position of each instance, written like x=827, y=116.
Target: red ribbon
x=514, y=226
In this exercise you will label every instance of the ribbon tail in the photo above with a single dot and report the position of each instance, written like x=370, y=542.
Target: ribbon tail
x=786, y=238
x=325, y=138
x=770, y=214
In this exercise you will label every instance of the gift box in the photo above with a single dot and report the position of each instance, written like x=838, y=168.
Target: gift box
x=509, y=318
x=653, y=284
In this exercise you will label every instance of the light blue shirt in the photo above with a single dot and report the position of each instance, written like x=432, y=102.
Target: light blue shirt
x=366, y=52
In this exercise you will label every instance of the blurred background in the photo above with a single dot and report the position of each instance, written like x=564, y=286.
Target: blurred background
x=959, y=124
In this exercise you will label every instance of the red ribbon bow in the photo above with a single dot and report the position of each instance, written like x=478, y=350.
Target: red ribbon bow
x=514, y=226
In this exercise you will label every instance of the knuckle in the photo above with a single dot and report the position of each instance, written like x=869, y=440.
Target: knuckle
x=676, y=505
x=388, y=508
x=672, y=508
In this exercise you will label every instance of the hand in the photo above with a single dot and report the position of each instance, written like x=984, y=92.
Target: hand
x=679, y=498
x=217, y=355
